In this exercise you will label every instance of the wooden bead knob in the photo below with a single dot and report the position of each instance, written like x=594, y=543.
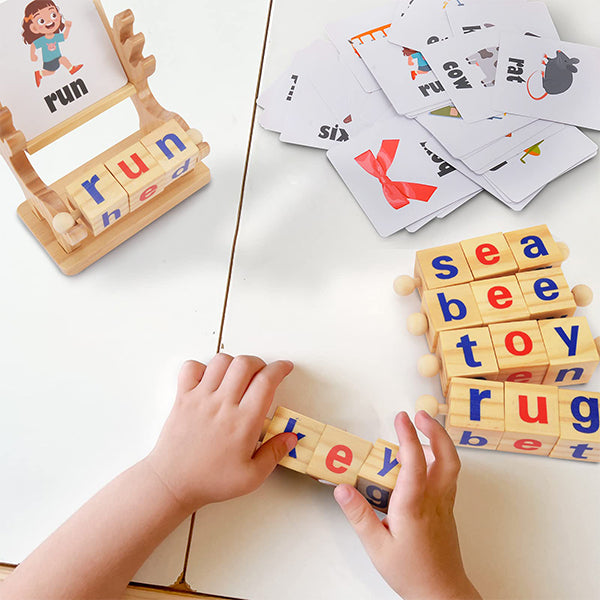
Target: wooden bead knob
x=428, y=365
x=62, y=222
x=564, y=250
x=417, y=324
x=405, y=285
x=597, y=342
x=195, y=136
x=429, y=404
x=582, y=295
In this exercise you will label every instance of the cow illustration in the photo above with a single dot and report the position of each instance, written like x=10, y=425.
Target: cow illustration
x=487, y=60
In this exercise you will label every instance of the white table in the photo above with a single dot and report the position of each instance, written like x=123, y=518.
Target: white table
x=312, y=283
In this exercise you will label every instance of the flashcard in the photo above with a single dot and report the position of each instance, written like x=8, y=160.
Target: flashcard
x=350, y=35
x=549, y=79
x=55, y=63
x=462, y=138
x=529, y=18
x=466, y=67
x=405, y=78
x=394, y=176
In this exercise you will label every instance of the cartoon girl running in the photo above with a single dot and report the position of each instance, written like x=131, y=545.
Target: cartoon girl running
x=417, y=62
x=44, y=29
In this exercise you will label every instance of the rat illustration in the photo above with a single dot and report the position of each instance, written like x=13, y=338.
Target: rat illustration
x=557, y=77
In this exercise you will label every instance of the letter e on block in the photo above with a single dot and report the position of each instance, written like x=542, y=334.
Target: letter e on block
x=579, y=426
x=338, y=457
x=100, y=198
x=531, y=420
x=489, y=256
x=308, y=431
x=500, y=300
x=547, y=293
x=378, y=475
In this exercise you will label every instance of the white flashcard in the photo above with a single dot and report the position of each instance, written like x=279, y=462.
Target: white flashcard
x=549, y=79
x=55, y=63
x=466, y=67
x=394, y=176
x=350, y=35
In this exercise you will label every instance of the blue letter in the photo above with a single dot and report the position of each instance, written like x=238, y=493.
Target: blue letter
x=439, y=263
x=289, y=428
x=476, y=397
x=388, y=463
x=378, y=497
x=183, y=169
x=162, y=145
x=468, y=436
x=542, y=286
x=467, y=345
x=106, y=217
x=577, y=374
x=593, y=417
x=536, y=249
x=571, y=342
x=90, y=187
x=446, y=304
x=579, y=450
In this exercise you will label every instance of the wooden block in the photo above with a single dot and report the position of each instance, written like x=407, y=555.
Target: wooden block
x=377, y=477
x=579, y=426
x=489, y=256
x=520, y=352
x=173, y=149
x=547, y=293
x=308, y=431
x=140, y=175
x=475, y=413
x=338, y=457
x=100, y=198
x=531, y=420
x=534, y=248
x=441, y=267
x=466, y=353
x=500, y=300
x=449, y=308
x=571, y=350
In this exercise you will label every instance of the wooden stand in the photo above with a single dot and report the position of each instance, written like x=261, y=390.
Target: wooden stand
x=48, y=214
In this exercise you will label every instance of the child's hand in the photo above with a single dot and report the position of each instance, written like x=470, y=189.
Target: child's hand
x=416, y=547
x=207, y=450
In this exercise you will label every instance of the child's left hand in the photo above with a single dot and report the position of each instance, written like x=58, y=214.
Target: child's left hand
x=207, y=450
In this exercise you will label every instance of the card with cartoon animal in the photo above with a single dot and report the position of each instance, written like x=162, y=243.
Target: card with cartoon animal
x=530, y=18
x=394, y=176
x=351, y=34
x=549, y=79
x=56, y=60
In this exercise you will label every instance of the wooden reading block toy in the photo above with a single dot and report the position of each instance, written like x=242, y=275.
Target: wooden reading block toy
x=523, y=418
x=86, y=214
x=483, y=258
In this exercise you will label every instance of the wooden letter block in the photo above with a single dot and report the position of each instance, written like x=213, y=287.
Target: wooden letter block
x=571, y=351
x=99, y=197
x=466, y=353
x=139, y=174
x=475, y=413
x=530, y=419
x=441, y=267
x=500, y=300
x=534, y=248
x=579, y=426
x=547, y=293
x=338, y=457
x=378, y=475
x=489, y=256
x=520, y=352
x=173, y=149
x=308, y=431
x=449, y=308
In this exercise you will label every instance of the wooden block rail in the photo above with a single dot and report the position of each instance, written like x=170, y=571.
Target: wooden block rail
x=551, y=352
x=523, y=418
x=335, y=456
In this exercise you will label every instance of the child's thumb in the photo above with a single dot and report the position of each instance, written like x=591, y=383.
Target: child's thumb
x=271, y=452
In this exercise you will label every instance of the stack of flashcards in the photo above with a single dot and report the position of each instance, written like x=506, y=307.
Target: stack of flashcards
x=421, y=104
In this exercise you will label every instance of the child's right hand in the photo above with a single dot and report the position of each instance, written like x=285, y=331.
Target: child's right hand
x=416, y=547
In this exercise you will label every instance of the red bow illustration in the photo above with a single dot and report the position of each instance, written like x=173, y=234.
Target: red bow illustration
x=397, y=193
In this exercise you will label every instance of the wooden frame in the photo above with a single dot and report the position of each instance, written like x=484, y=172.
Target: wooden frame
x=53, y=220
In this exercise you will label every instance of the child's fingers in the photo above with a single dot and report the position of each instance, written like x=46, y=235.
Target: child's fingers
x=363, y=519
x=412, y=478
x=270, y=453
x=443, y=472
x=238, y=377
x=215, y=371
x=259, y=396
x=190, y=375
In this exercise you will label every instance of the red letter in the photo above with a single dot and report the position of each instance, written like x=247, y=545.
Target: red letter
x=509, y=341
x=498, y=293
x=148, y=193
x=522, y=377
x=139, y=162
x=487, y=254
x=542, y=416
x=527, y=445
x=340, y=454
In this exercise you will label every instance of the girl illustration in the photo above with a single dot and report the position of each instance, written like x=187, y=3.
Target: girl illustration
x=44, y=29
x=417, y=62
